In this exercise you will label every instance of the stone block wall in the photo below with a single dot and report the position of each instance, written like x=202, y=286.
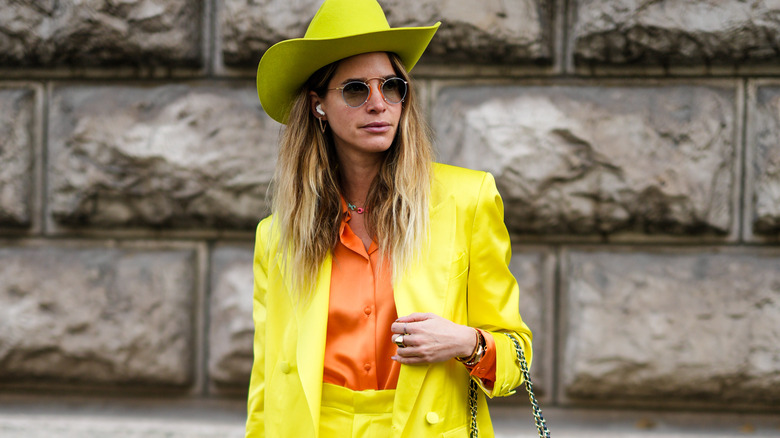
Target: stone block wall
x=636, y=145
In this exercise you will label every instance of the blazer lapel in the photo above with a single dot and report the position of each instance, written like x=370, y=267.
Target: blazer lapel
x=312, y=332
x=423, y=288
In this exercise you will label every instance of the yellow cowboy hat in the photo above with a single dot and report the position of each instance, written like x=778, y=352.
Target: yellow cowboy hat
x=340, y=29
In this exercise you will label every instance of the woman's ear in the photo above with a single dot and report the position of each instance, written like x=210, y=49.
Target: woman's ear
x=316, y=106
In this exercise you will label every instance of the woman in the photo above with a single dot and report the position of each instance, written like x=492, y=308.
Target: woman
x=381, y=281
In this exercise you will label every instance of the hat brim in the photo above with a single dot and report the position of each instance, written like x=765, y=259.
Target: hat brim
x=286, y=66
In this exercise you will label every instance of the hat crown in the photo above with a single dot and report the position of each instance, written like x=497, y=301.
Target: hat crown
x=342, y=18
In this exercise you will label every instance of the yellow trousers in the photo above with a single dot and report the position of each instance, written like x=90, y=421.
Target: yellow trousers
x=356, y=414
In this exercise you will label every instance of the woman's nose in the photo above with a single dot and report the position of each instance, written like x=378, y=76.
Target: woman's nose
x=375, y=99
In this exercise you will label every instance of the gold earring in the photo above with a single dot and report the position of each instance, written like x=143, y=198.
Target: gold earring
x=322, y=124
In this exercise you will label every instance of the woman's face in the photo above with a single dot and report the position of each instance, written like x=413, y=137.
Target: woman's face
x=369, y=130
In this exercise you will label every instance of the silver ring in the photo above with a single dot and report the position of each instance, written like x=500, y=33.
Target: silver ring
x=399, y=341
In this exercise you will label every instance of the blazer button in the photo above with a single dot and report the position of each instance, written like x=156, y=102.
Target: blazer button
x=284, y=367
x=432, y=417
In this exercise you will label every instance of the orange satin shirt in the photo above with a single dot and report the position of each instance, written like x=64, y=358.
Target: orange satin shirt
x=361, y=309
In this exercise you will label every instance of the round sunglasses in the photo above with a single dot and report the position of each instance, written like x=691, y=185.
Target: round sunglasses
x=356, y=93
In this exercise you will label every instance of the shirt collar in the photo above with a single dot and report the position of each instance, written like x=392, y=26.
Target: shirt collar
x=346, y=216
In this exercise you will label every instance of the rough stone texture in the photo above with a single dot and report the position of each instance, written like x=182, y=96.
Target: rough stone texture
x=17, y=146
x=160, y=156
x=248, y=27
x=530, y=268
x=496, y=31
x=100, y=32
x=672, y=326
x=101, y=315
x=677, y=32
x=587, y=160
x=231, y=327
x=766, y=162
x=622, y=331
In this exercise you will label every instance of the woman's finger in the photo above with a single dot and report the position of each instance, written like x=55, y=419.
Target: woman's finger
x=411, y=340
x=403, y=327
x=417, y=316
x=411, y=323
x=412, y=360
x=410, y=351
x=405, y=341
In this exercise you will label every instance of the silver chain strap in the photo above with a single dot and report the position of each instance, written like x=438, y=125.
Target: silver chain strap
x=541, y=425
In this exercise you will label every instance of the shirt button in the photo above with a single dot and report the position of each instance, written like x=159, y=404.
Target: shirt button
x=432, y=417
x=367, y=367
x=367, y=310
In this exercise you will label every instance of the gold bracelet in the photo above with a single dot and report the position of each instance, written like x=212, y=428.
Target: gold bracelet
x=479, y=351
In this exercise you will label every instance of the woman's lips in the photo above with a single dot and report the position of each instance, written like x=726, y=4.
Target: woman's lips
x=377, y=127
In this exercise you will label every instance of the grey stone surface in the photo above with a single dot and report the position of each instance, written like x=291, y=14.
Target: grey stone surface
x=128, y=333
x=766, y=162
x=17, y=151
x=248, y=28
x=92, y=426
x=531, y=269
x=496, y=31
x=167, y=156
x=96, y=315
x=673, y=326
x=598, y=159
x=508, y=422
x=492, y=31
x=677, y=32
x=517, y=422
x=52, y=33
x=231, y=327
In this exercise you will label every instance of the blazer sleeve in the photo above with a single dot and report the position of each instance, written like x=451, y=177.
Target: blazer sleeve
x=255, y=425
x=493, y=294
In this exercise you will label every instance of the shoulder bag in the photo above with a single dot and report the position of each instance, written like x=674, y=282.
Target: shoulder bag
x=541, y=425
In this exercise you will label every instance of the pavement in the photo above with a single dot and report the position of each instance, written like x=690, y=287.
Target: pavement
x=513, y=422
x=219, y=419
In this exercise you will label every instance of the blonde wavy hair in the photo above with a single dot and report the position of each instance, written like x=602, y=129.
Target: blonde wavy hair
x=307, y=193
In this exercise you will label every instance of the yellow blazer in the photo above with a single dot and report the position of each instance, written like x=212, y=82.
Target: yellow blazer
x=463, y=276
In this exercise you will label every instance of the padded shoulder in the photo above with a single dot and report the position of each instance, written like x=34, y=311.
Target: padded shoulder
x=461, y=183
x=450, y=174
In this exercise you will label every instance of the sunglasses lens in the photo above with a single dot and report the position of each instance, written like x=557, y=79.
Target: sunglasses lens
x=394, y=90
x=355, y=93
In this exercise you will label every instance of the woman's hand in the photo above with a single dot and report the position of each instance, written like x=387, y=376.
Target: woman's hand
x=430, y=338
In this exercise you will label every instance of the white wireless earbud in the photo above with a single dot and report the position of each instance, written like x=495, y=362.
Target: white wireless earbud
x=319, y=110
